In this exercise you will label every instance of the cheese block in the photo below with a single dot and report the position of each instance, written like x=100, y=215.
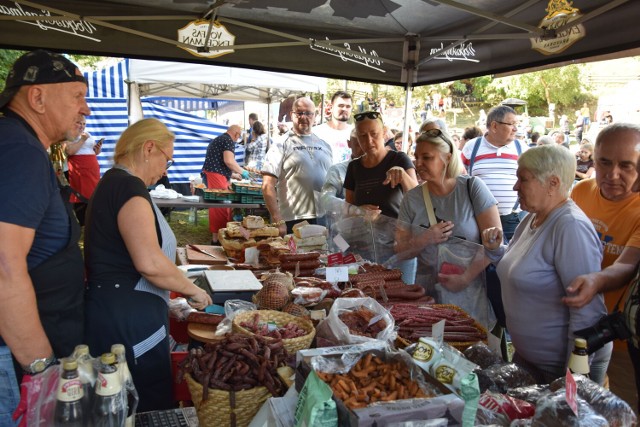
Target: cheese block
x=310, y=230
x=236, y=230
x=252, y=222
x=310, y=241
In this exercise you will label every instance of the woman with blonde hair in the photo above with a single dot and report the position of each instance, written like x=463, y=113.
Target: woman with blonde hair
x=129, y=253
x=462, y=205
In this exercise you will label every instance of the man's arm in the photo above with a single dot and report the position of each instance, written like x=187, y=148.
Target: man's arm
x=617, y=275
x=271, y=200
x=230, y=160
x=20, y=325
x=73, y=147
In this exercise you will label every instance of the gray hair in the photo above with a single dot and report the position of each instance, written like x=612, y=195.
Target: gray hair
x=545, y=140
x=614, y=128
x=496, y=114
x=546, y=161
x=445, y=146
x=440, y=124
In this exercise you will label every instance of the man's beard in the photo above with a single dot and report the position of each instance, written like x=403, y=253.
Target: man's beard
x=342, y=118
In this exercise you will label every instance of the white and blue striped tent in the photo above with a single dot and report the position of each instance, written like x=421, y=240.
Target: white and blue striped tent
x=107, y=98
x=187, y=86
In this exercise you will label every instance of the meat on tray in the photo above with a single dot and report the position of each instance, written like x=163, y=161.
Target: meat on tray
x=359, y=322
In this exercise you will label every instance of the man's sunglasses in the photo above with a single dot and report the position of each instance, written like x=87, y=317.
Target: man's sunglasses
x=373, y=115
x=437, y=133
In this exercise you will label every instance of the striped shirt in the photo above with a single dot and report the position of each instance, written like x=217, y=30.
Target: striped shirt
x=497, y=167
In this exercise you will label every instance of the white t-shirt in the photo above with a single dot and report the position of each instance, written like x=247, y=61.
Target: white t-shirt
x=337, y=139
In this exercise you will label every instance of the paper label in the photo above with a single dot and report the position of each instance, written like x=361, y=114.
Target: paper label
x=571, y=391
x=437, y=331
x=337, y=274
x=292, y=246
x=334, y=259
x=349, y=259
x=341, y=243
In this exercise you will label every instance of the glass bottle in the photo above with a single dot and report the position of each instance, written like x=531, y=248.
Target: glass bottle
x=69, y=411
x=87, y=375
x=127, y=382
x=579, y=359
x=108, y=408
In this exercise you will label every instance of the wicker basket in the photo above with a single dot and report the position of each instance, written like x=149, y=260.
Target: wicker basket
x=226, y=408
x=280, y=319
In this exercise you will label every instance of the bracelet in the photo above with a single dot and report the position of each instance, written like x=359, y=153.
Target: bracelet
x=279, y=223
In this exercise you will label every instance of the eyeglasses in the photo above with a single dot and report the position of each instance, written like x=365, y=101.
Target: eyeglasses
x=170, y=161
x=513, y=125
x=373, y=115
x=438, y=133
x=304, y=113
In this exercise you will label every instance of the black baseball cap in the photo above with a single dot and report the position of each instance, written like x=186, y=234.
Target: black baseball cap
x=37, y=68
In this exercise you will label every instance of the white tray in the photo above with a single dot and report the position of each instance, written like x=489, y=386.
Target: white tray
x=232, y=281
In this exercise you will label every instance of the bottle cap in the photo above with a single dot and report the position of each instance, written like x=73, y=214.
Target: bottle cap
x=108, y=358
x=81, y=350
x=117, y=349
x=69, y=364
x=580, y=343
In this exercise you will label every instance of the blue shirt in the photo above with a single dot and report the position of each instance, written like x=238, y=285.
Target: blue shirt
x=214, y=160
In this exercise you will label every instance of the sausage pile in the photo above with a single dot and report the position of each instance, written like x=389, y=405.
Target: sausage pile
x=387, y=286
x=239, y=362
x=373, y=380
x=415, y=321
x=306, y=263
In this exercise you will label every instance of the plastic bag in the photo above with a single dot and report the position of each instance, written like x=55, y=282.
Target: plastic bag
x=456, y=256
x=500, y=378
x=334, y=330
x=38, y=397
x=553, y=411
x=530, y=393
x=613, y=408
x=480, y=354
x=231, y=308
x=315, y=405
x=501, y=409
x=179, y=308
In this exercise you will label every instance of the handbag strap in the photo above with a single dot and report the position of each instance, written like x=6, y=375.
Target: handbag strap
x=431, y=213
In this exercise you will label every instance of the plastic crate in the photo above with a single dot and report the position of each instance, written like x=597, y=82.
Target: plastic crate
x=251, y=199
x=212, y=196
x=251, y=189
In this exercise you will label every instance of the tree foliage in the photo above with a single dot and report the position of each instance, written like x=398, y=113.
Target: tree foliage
x=7, y=58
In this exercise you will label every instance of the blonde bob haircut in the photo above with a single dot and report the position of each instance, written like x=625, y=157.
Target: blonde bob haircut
x=132, y=140
x=546, y=161
x=445, y=146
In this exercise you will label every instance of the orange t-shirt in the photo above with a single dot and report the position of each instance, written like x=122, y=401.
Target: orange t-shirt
x=617, y=224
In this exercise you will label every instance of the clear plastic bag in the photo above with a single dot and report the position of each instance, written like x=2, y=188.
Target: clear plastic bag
x=553, y=411
x=231, y=308
x=500, y=378
x=337, y=332
x=179, y=308
x=613, y=408
x=501, y=409
x=480, y=354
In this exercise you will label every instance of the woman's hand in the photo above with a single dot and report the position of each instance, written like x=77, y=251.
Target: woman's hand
x=439, y=233
x=200, y=299
x=371, y=212
x=395, y=176
x=492, y=238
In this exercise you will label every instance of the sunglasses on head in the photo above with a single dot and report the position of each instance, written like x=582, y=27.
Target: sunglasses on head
x=437, y=133
x=373, y=115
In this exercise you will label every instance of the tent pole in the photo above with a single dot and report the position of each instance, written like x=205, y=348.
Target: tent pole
x=408, y=115
x=411, y=50
x=322, y=109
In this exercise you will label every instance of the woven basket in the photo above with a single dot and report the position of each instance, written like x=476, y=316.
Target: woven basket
x=226, y=408
x=280, y=319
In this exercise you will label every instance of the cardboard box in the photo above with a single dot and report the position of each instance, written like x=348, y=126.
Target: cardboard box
x=446, y=405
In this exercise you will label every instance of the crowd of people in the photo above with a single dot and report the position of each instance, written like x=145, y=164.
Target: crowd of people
x=556, y=246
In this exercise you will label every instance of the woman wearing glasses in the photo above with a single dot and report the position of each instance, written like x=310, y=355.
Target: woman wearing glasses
x=377, y=180
x=463, y=206
x=129, y=253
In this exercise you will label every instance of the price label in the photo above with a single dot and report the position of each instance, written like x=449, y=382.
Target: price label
x=437, y=331
x=335, y=259
x=571, y=391
x=292, y=246
x=337, y=274
x=349, y=259
x=341, y=243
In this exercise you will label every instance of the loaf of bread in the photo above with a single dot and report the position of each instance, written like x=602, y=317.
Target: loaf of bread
x=252, y=222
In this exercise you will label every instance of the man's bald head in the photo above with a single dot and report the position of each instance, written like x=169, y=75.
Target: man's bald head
x=235, y=132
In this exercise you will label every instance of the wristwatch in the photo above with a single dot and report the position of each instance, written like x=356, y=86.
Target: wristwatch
x=38, y=365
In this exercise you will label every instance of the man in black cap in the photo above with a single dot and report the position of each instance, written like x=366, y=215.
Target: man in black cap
x=41, y=267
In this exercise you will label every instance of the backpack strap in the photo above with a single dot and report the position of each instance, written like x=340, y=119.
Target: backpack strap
x=476, y=147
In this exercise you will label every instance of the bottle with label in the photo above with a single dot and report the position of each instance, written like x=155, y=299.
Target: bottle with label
x=108, y=408
x=87, y=375
x=69, y=411
x=579, y=359
x=127, y=382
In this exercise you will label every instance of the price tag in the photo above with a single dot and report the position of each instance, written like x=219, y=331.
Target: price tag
x=244, y=232
x=437, y=331
x=571, y=391
x=341, y=243
x=337, y=274
x=349, y=259
x=334, y=259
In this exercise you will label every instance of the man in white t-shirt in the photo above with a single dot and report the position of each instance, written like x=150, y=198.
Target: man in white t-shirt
x=494, y=158
x=336, y=130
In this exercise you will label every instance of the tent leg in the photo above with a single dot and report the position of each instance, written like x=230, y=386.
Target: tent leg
x=408, y=117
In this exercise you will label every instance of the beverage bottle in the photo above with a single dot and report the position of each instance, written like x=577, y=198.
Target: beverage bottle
x=69, y=411
x=127, y=382
x=87, y=375
x=108, y=407
x=579, y=359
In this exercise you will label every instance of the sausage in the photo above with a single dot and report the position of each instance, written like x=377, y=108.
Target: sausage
x=385, y=275
x=202, y=317
x=298, y=257
x=303, y=265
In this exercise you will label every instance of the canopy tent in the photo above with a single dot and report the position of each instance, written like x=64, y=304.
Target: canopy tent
x=402, y=42
x=141, y=88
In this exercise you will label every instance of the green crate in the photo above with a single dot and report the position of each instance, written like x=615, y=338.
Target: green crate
x=251, y=199
x=209, y=196
x=246, y=189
